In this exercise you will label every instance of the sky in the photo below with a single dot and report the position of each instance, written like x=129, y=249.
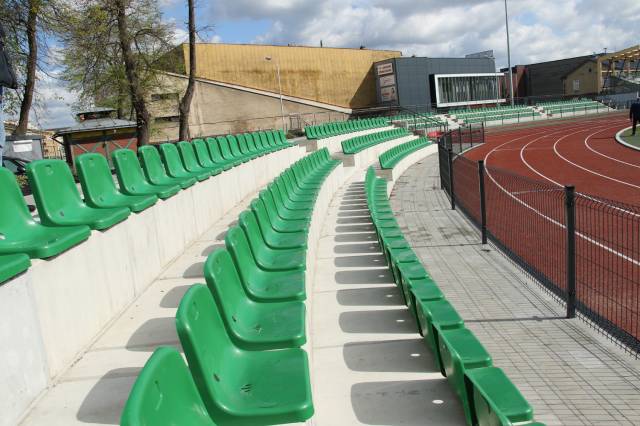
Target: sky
x=541, y=30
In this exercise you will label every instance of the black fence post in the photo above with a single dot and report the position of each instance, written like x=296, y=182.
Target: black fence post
x=483, y=202
x=451, y=187
x=570, y=204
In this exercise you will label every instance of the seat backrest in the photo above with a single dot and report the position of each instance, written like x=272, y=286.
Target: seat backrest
x=171, y=159
x=54, y=189
x=95, y=177
x=206, y=346
x=188, y=156
x=128, y=169
x=251, y=143
x=165, y=394
x=260, y=211
x=214, y=150
x=14, y=209
x=202, y=153
x=224, y=283
x=151, y=163
x=234, y=146
x=224, y=148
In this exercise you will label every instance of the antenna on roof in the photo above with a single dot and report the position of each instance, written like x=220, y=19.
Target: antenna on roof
x=321, y=43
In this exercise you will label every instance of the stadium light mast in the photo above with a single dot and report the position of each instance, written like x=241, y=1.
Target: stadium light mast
x=506, y=18
x=269, y=59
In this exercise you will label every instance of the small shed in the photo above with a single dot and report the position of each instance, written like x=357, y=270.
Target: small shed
x=97, y=131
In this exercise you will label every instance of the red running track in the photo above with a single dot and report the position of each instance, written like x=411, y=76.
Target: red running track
x=529, y=218
x=584, y=154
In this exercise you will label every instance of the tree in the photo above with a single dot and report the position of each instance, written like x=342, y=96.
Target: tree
x=26, y=28
x=111, y=52
x=185, y=103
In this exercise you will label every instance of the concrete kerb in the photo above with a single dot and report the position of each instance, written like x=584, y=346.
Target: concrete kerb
x=61, y=304
x=621, y=141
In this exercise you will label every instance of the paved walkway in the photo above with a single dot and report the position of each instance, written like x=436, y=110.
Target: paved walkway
x=569, y=373
x=369, y=364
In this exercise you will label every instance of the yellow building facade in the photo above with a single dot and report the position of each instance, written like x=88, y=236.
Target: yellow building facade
x=340, y=77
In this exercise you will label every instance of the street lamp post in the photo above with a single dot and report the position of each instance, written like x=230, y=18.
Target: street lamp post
x=506, y=18
x=269, y=58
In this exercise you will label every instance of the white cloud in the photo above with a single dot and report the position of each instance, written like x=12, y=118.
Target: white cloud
x=541, y=29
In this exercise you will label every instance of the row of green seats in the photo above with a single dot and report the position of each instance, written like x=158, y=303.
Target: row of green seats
x=66, y=218
x=393, y=156
x=563, y=102
x=242, y=332
x=577, y=107
x=502, y=117
x=326, y=130
x=487, y=395
x=360, y=143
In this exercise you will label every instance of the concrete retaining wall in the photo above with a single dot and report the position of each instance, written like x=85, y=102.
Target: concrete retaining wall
x=51, y=314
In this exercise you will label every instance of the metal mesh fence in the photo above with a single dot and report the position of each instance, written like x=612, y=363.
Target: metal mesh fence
x=584, y=249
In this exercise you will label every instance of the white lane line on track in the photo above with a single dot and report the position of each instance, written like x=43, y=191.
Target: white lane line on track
x=586, y=142
x=550, y=219
x=555, y=149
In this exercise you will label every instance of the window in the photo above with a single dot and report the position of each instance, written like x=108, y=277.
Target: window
x=576, y=85
x=164, y=96
x=169, y=119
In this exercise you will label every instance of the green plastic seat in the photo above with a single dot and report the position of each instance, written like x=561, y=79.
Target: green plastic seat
x=240, y=387
x=270, y=259
x=165, y=394
x=434, y=317
x=234, y=147
x=271, y=235
x=58, y=199
x=420, y=290
x=204, y=157
x=216, y=154
x=261, y=285
x=225, y=150
x=12, y=265
x=100, y=190
x=275, y=240
x=174, y=166
x=461, y=351
x=277, y=223
x=295, y=216
x=496, y=400
x=292, y=203
x=21, y=234
x=132, y=180
x=190, y=160
x=155, y=172
x=252, y=325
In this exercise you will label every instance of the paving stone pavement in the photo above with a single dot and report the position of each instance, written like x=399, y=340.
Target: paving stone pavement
x=571, y=374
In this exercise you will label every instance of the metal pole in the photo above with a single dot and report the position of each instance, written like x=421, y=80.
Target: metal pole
x=570, y=205
x=483, y=202
x=284, y=127
x=506, y=18
x=451, y=190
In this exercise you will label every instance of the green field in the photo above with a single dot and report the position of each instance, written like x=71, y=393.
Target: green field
x=632, y=140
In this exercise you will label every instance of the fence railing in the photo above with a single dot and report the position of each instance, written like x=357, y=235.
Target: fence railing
x=584, y=249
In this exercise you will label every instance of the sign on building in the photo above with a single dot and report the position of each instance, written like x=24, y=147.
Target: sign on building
x=388, y=94
x=388, y=80
x=384, y=69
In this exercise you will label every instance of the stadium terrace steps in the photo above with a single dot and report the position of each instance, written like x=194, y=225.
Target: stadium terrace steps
x=91, y=277
x=487, y=395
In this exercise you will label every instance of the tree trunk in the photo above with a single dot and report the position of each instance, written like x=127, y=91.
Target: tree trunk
x=137, y=98
x=185, y=103
x=32, y=60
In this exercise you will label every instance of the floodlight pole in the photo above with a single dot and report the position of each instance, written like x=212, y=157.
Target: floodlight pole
x=284, y=127
x=506, y=18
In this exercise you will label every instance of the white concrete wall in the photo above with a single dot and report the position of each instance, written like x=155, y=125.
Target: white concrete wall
x=51, y=314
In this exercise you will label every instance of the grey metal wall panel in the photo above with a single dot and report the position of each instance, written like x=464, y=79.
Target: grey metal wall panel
x=412, y=76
